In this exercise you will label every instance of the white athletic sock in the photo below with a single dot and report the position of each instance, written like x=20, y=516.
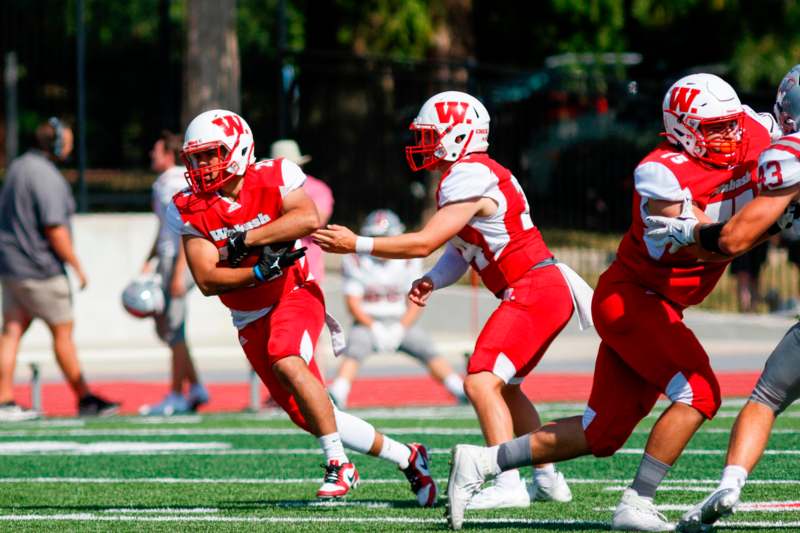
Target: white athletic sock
x=733, y=477
x=455, y=385
x=508, y=480
x=395, y=452
x=340, y=389
x=332, y=447
x=491, y=451
x=545, y=472
x=357, y=434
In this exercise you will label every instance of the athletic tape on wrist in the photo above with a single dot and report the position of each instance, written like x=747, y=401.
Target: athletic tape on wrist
x=364, y=245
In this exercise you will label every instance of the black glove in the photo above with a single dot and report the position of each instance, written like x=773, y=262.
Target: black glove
x=274, y=258
x=237, y=250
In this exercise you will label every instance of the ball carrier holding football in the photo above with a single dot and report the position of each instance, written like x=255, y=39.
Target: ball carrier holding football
x=239, y=221
x=484, y=217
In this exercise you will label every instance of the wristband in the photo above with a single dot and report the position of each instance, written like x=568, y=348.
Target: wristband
x=258, y=275
x=364, y=245
x=709, y=237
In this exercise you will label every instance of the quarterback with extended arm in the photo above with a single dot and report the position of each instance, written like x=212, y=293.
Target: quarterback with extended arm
x=484, y=218
x=707, y=168
x=239, y=222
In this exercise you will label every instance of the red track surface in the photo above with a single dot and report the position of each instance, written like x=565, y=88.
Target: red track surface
x=368, y=392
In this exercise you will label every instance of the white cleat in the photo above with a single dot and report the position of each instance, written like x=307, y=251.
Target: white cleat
x=469, y=469
x=702, y=516
x=634, y=513
x=172, y=404
x=500, y=497
x=11, y=412
x=550, y=489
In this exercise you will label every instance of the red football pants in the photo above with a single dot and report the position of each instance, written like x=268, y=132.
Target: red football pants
x=291, y=328
x=646, y=350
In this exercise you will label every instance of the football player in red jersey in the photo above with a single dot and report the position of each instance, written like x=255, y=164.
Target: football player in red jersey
x=775, y=209
x=484, y=217
x=707, y=167
x=240, y=221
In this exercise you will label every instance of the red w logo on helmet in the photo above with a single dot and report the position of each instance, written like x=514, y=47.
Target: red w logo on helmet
x=682, y=98
x=452, y=111
x=229, y=124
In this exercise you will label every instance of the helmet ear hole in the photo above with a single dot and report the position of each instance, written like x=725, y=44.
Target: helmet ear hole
x=460, y=139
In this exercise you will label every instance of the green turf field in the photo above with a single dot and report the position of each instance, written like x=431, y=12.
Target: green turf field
x=257, y=472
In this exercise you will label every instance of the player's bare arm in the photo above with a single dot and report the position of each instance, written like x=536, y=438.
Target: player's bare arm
x=752, y=224
x=299, y=219
x=203, y=260
x=444, y=225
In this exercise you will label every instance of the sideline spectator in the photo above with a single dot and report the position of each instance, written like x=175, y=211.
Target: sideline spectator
x=384, y=320
x=176, y=281
x=36, y=204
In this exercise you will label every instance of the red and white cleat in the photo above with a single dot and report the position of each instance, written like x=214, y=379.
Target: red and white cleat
x=419, y=475
x=339, y=479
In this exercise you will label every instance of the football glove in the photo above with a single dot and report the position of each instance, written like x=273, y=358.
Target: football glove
x=236, y=248
x=274, y=258
x=675, y=231
x=387, y=337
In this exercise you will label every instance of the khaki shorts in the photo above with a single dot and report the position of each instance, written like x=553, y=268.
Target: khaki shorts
x=49, y=299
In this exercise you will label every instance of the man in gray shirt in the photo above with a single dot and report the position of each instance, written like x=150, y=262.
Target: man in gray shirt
x=35, y=244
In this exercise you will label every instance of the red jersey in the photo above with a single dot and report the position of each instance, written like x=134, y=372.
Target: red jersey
x=501, y=247
x=720, y=193
x=213, y=216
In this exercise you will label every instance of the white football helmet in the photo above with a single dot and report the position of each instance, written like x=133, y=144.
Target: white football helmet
x=787, y=102
x=144, y=296
x=226, y=135
x=382, y=223
x=449, y=126
x=696, y=108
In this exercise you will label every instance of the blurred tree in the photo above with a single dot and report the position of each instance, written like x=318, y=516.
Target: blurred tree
x=212, y=72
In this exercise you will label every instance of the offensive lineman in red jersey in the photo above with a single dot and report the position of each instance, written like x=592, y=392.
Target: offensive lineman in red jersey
x=484, y=218
x=646, y=350
x=239, y=221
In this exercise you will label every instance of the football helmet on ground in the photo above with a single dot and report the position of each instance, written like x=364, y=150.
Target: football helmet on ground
x=382, y=223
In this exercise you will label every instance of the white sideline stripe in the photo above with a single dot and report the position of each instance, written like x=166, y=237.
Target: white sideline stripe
x=163, y=510
x=667, y=483
x=91, y=517
x=218, y=448
x=170, y=432
x=675, y=488
x=750, y=507
x=226, y=431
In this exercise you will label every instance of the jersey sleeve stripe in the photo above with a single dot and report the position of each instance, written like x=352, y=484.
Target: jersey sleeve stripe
x=794, y=150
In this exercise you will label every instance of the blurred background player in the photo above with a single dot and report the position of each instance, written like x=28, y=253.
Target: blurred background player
x=746, y=268
x=176, y=281
x=705, y=168
x=384, y=320
x=484, y=217
x=239, y=223
x=774, y=210
x=36, y=205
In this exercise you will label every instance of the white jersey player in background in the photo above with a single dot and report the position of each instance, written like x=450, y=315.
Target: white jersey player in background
x=774, y=209
x=383, y=319
x=484, y=218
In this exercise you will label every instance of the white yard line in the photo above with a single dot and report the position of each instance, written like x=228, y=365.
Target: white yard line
x=616, y=483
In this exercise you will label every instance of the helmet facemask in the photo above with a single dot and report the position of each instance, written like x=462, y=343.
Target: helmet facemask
x=209, y=166
x=722, y=141
x=427, y=149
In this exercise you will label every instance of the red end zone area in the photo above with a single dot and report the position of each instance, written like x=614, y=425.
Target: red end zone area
x=58, y=400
